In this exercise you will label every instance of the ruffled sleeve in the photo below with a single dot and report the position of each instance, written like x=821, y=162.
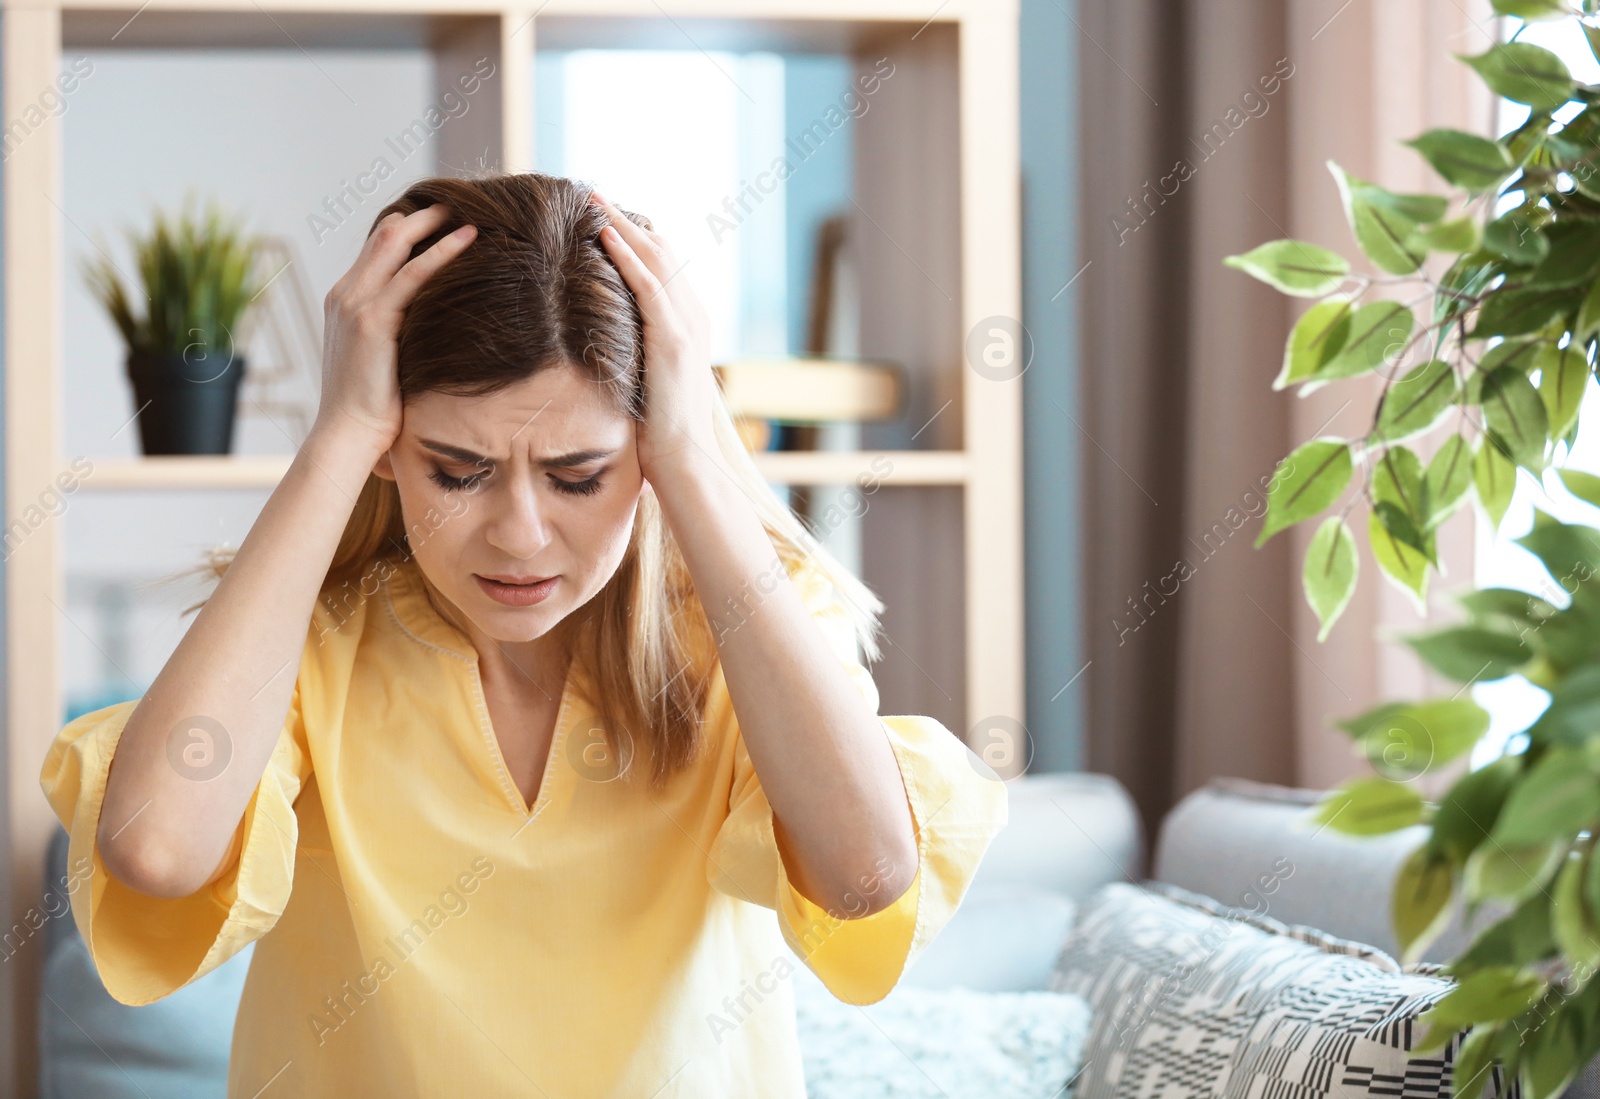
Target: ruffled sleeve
x=957, y=804
x=147, y=947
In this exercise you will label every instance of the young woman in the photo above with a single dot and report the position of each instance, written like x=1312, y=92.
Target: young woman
x=521, y=711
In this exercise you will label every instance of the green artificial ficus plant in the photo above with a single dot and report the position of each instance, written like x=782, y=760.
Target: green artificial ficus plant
x=1494, y=356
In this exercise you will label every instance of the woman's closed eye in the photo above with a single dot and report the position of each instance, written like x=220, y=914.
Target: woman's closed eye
x=587, y=487
x=454, y=484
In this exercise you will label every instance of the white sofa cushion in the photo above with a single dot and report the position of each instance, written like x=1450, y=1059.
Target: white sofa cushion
x=1003, y=938
x=919, y=1043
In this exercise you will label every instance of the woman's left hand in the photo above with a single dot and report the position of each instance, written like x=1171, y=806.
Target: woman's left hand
x=678, y=382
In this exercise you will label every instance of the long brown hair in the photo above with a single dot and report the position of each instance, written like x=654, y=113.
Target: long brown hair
x=536, y=290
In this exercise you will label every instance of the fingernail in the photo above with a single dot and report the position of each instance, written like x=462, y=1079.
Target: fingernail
x=598, y=197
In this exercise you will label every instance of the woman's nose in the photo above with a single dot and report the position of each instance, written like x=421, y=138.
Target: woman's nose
x=518, y=525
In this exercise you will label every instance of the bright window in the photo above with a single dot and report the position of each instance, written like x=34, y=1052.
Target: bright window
x=1514, y=703
x=676, y=135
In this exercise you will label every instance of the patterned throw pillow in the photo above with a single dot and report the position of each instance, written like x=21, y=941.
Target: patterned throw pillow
x=1192, y=998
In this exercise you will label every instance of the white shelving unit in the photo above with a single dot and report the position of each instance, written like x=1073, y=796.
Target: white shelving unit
x=937, y=242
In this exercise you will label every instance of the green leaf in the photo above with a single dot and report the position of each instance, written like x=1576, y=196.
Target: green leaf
x=1472, y=654
x=1400, y=500
x=1470, y=808
x=1588, y=322
x=1420, y=906
x=1318, y=336
x=1570, y=552
x=1591, y=883
x=1514, y=411
x=1378, y=334
x=1519, y=312
x=1495, y=479
x=1583, y=1011
x=1385, y=222
x=1507, y=603
x=1516, y=235
x=1472, y=1067
x=1563, y=377
x=1489, y=995
x=1572, y=921
x=1570, y=719
x=1414, y=403
x=1403, y=529
x=1522, y=353
x=1570, y=643
x=1403, y=564
x=1533, y=145
x=1370, y=721
x=1307, y=481
x=1524, y=934
x=1465, y=279
x=1460, y=235
x=1397, y=479
x=1447, y=481
x=1466, y=160
x=1329, y=575
x=1495, y=871
x=1412, y=739
x=1556, y=798
x=1530, y=10
x=1585, y=486
x=1294, y=267
x=1369, y=807
x=1550, y=1056
x=1540, y=671
x=1574, y=257
x=1524, y=73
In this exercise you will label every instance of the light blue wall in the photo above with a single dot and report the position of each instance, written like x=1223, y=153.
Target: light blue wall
x=821, y=184
x=1052, y=496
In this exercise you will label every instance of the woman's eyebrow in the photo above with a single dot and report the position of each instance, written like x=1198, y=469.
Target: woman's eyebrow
x=560, y=461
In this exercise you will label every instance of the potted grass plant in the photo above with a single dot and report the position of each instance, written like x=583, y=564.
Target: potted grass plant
x=1494, y=354
x=195, y=274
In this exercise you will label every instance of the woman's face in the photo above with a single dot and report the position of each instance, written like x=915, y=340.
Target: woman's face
x=538, y=480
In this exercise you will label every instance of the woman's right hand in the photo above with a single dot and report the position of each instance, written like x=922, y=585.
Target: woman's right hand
x=361, y=324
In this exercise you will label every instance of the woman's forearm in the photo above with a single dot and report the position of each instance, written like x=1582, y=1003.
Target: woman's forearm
x=827, y=767
x=168, y=822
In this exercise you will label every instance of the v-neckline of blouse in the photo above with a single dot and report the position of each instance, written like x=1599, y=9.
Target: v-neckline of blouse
x=412, y=609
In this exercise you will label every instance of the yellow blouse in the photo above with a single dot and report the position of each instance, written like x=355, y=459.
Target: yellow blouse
x=420, y=932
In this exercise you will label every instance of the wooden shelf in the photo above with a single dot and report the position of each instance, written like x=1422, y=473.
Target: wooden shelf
x=821, y=467
x=811, y=389
x=183, y=472
x=844, y=467
x=794, y=26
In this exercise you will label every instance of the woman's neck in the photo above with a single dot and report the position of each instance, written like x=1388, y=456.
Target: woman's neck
x=540, y=664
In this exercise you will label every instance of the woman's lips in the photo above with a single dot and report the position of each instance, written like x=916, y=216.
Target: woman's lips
x=516, y=595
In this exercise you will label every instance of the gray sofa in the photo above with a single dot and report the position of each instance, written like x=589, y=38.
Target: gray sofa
x=1068, y=835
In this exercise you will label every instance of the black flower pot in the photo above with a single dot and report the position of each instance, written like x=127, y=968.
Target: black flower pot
x=188, y=399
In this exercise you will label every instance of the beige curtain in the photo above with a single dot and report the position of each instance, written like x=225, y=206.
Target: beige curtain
x=1205, y=131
